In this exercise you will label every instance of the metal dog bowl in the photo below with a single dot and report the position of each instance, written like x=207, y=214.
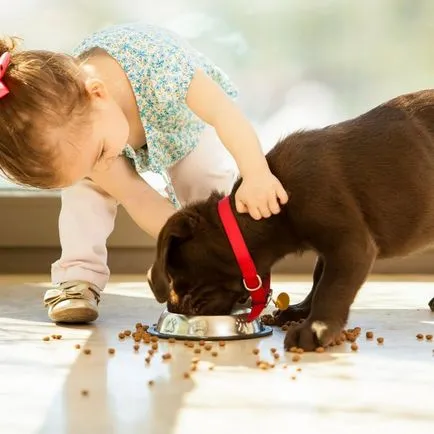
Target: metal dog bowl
x=225, y=327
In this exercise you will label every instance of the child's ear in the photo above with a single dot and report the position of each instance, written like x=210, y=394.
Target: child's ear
x=96, y=88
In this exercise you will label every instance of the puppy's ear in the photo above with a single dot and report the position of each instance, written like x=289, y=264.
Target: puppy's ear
x=215, y=196
x=178, y=228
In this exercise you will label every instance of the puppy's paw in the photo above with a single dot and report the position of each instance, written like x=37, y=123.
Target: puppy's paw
x=312, y=334
x=294, y=313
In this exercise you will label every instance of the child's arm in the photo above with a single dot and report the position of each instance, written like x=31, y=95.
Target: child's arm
x=146, y=206
x=260, y=190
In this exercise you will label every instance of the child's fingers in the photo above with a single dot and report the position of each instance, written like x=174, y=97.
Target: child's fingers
x=273, y=204
x=255, y=213
x=282, y=195
x=264, y=209
x=241, y=206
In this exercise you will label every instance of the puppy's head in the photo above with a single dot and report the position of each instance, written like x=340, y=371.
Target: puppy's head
x=195, y=271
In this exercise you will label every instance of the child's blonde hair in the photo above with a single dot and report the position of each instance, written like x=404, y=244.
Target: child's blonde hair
x=45, y=92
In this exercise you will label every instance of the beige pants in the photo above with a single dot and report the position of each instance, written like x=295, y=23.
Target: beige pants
x=88, y=214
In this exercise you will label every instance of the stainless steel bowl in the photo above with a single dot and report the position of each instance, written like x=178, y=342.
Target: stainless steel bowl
x=227, y=327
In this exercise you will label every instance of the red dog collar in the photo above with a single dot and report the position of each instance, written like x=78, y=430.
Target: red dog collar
x=260, y=291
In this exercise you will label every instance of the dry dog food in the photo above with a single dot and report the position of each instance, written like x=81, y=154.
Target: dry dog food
x=136, y=347
x=268, y=320
x=84, y=392
x=46, y=338
x=351, y=337
x=264, y=365
x=87, y=351
x=150, y=383
x=77, y=346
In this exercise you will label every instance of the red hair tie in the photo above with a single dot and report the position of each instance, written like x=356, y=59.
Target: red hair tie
x=5, y=58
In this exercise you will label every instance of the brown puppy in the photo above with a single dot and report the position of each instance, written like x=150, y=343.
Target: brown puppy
x=360, y=190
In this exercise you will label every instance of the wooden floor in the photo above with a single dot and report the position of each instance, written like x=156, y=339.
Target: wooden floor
x=378, y=388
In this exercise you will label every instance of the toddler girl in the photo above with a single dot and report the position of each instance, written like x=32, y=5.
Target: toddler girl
x=133, y=98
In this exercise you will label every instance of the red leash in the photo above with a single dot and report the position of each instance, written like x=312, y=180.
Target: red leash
x=260, y=291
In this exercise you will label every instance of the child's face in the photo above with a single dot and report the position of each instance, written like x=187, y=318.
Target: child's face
x=95, y=145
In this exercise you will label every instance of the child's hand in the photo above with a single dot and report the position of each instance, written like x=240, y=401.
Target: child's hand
x=259, y=195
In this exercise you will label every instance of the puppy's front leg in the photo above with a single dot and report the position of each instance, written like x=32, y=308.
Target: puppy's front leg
x=345, y=270
x=301, y=310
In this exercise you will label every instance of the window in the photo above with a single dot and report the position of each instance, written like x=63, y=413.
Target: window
x=298, y=64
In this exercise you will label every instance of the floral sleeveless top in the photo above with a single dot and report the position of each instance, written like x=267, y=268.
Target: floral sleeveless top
x=160, y=67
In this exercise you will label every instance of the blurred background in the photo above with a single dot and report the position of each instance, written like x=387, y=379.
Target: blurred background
x=297, y=63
